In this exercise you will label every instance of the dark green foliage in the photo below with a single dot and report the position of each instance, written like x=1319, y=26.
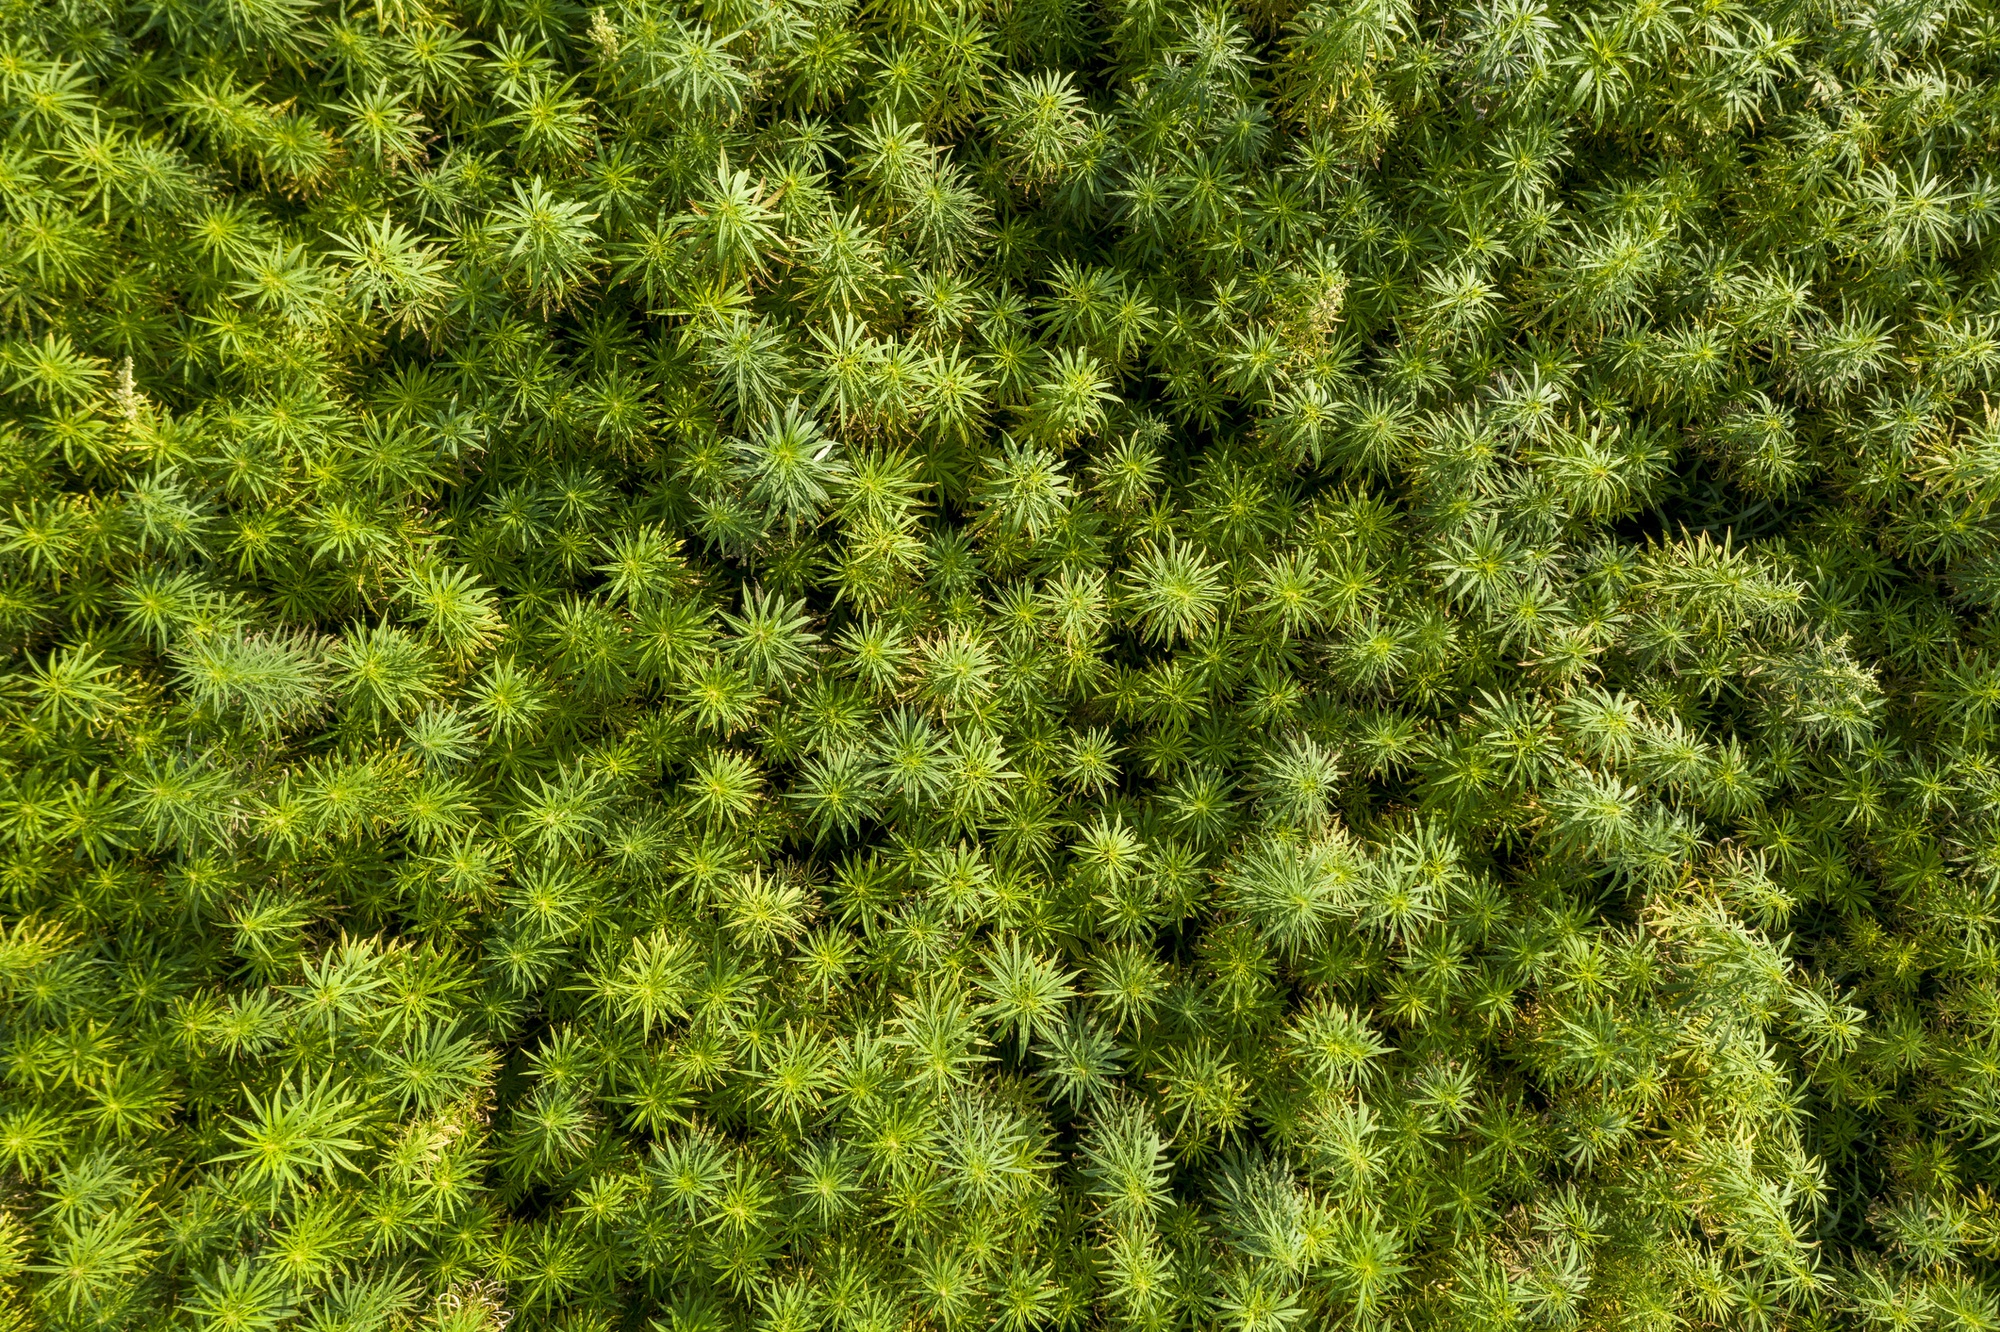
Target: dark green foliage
x=1016, y=664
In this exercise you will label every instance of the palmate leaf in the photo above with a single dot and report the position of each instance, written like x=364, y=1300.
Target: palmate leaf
x=298, y=1132
x=241, y=1298
x=88, y=1266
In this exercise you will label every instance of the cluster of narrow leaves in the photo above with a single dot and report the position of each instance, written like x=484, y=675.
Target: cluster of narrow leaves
x=930, y=665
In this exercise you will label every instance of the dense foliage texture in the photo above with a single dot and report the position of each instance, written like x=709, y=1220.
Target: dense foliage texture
x=796, y=665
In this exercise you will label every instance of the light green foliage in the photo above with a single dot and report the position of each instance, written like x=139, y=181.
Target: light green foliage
x=1032, y=665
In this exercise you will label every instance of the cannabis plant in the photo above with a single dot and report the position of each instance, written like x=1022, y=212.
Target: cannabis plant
x=1036, y=665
